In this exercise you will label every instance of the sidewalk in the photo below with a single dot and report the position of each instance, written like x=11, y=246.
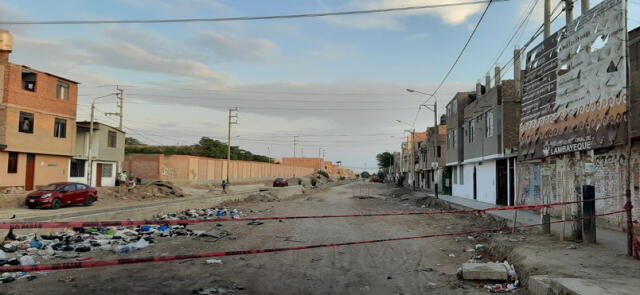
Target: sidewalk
x=611, y=239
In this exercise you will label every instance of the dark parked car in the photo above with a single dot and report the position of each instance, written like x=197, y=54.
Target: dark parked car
x=280, y=182
x=60, y=194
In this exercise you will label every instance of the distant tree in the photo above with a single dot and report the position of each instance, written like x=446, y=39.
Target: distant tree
x=385, y=160
x=381, y=174
x=206, y=147
x=365, y=174
x=132, y=141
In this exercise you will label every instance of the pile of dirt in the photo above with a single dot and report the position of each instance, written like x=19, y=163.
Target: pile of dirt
x=12, y=190
x=157, y=190
x=152, y=190
x=262, y=197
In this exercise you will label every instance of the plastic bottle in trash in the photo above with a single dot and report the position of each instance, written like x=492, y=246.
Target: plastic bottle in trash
x=27, y=260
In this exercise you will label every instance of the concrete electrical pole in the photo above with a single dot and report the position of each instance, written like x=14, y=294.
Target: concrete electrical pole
x=547, y=18
x=295, y=143
x=120, y=96
x=233, y=114
x=90, y=152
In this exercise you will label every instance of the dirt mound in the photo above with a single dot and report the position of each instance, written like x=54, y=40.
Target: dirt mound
x=152, y=190
x=157, y=190
x=12, y=190
x=262, y=197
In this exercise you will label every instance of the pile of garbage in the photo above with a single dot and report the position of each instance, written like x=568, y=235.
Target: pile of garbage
x=30, y=249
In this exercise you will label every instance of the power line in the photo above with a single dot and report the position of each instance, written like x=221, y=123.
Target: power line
x=464, y=48
x=244, y=18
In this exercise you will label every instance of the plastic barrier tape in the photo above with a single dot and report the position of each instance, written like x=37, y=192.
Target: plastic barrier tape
x=78, y=224
x=123, y=261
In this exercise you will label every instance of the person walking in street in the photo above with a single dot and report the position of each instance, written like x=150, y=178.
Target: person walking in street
x=123, y=181
x=224, y=187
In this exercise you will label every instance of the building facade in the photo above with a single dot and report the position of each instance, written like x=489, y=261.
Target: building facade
x=455, y=139
x=107, y=154
x=37, y=123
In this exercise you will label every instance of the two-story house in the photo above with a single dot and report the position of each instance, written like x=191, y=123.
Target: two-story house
x=37, y=119
x=107, y=154
x=487, y=169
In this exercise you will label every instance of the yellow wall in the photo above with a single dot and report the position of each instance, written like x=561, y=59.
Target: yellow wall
x=48, y=169
x=41, y=141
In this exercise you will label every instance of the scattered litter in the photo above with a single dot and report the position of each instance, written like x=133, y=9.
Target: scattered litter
x=225, y=291
x=502, y=288
x=255, y=223
x=432, y=285
x=452, y=255
x=572, y=247
x=27, y=260
x=214, y=261
x=470, y=250
x=479, y=246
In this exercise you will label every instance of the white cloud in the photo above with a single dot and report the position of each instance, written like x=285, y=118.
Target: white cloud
x=453, y=15
x=237, y=48
x=133, y=57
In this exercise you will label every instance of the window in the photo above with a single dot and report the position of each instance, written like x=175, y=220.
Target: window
x=107, y=170
x=472, y=130
x=70, y=188
x=12, y=165
x=77, y=168
x=454, y=138
x=26, y=123
x=488, y=124
x=461, y=174
x=29, y=81
x=60, y=128
x=438, y=151
x=455, y=175
x=62, y=90
x=112, y=139
x=81, y=187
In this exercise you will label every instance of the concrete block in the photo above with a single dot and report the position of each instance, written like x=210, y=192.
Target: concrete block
x=485, y=271
x=539, y=285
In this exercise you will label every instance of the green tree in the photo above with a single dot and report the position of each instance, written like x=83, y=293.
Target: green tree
x=385, y=160
x=206, y=147
x=132, y=141
x=365, y=174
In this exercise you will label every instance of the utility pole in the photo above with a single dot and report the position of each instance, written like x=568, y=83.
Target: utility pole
x=568, y=11
x=547, y=18
x=89, y=155
x=584, y=7
x=233, y=114
x=295, y=142
x=120, y=113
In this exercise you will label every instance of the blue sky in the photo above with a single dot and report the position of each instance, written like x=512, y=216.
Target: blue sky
x=287, y=76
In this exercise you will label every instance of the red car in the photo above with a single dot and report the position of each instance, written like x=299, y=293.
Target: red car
x=377, y=179
x=280, y=182
x=60, y=194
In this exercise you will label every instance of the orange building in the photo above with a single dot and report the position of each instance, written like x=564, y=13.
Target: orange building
x=37, y=123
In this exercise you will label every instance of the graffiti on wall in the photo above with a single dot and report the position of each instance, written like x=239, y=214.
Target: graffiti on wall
x=574, y=95
x=167, y=171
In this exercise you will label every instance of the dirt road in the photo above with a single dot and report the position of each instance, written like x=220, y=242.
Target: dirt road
x=406, y=267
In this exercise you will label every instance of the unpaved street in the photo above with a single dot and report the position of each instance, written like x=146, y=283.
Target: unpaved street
x=406, y=267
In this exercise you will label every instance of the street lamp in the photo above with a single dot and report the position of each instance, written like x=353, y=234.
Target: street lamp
x=436, y=132
x=89, y=156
